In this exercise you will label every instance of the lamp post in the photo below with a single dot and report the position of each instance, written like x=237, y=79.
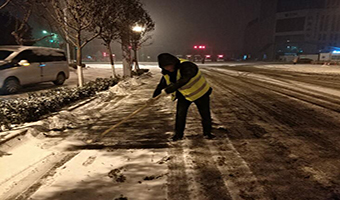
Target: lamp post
x=136, y=38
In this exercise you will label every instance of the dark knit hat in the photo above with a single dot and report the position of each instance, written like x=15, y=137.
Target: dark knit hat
x=166, y=59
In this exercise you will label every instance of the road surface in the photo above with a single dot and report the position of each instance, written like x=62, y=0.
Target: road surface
x=278, y=137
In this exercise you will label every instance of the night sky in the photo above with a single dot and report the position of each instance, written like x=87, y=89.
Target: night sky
x=181, y=24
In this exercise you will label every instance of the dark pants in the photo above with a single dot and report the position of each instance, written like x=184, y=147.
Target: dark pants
x=203, y=105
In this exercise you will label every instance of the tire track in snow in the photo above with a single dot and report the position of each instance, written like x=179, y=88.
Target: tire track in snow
x=223, y=160
x=177, y=182
x=290, y=119
x=314, y=97
x=255, y=103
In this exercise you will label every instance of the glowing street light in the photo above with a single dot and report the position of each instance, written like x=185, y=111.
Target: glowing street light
x=44, y=32
x=138, y=29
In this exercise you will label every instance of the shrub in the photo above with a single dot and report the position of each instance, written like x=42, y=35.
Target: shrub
x=20, y=110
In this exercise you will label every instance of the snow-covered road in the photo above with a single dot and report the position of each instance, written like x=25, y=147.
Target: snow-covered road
x=278, y=138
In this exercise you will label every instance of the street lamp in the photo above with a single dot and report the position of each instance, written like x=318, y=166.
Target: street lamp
x=138, y=30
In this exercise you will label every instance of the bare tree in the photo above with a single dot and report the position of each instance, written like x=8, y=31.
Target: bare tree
x=75, y=19
x=132, y=14
x=22, y=11
x=141, y=35
x=107, y=20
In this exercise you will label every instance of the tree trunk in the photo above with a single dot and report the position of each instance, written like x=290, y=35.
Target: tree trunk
x=79, y=61
x=135, y=59
x=108, y=45
x=79, y=68
x=126, y=60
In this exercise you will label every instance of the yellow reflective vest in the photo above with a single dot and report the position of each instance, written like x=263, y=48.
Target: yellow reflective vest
x=194, y=89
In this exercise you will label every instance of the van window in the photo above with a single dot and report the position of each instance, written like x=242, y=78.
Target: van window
x=27, y=55
x=58, y=56
x=4, y=54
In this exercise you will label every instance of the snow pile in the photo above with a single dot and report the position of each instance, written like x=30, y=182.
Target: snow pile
x=63, y=120
x=123, y=88
x=134, y=82
x=119, y=90
x=146, y=75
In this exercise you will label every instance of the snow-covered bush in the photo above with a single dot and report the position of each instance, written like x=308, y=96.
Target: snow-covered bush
x=20, y=110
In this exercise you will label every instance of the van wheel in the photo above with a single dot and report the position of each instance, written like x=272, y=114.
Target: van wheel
x=60, y=79
x=11, y=86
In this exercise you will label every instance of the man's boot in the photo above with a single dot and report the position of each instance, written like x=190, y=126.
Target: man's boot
x=208, y=136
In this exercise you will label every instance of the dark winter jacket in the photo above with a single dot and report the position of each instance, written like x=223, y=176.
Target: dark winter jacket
x=187, y=69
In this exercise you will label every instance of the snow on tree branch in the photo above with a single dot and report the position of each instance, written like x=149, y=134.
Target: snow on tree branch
x=5, y=4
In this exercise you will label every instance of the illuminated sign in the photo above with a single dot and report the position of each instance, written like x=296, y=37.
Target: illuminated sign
x=199, y=47
x=336, y=52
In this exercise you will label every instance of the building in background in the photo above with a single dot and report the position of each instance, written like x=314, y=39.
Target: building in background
x=299, y=27
x=259, y=34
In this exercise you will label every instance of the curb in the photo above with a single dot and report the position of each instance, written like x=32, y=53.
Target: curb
x=12, y=134
x=9, y=135
x=73, y=107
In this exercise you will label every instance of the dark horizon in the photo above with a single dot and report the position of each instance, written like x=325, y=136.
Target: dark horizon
x=182, y=24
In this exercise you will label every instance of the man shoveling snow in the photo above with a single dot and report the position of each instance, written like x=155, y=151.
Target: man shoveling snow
x=184, y=81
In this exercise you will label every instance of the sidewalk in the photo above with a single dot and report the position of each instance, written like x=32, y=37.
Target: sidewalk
x=131, y=161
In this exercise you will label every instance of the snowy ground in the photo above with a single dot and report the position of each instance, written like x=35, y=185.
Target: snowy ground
x=278, y=138
x=92, y=71
x=303, y=68
x=50, y=142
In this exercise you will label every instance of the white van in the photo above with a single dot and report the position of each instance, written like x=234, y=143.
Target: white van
x=22, y=65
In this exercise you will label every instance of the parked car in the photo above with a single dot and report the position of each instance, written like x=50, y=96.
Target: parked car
x=22, y=65
x=304, y=61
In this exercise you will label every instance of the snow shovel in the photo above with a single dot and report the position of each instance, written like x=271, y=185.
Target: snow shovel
x=97, y=139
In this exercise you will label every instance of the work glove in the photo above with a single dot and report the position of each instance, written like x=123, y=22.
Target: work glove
x=163, y=93
x=152, y=100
